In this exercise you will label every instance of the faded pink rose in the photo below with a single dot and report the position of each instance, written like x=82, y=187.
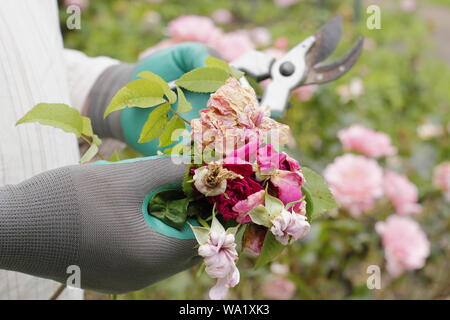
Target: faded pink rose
x=402, y=193
x=355, y=181
x=243, y=207
x=279, y=289
x=366, y=141
x=289, y=226
x=234, y=118
x=405, y=244
x=441, y=178
x=253, y=239
x=220, y=255
x=193, y=28
x=222, y=16
x=232, y=45
x=283, y=171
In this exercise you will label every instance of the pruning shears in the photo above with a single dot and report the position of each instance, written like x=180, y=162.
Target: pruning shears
x=299, y=66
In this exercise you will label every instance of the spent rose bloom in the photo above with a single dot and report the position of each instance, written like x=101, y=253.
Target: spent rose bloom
x=441, y=178
x=279, y=288
x=289, y=226
x=211, y=180
x=243, y=207
x=253, y=239
x=233, y=118
x=402, y=193
x=233, y=44
x=406, y=245
x=368, y=142
x=355, y=181
x=220, y=256
x=283, y=172
x=193, y=28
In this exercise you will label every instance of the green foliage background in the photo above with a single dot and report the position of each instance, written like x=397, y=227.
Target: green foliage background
x=405, y=85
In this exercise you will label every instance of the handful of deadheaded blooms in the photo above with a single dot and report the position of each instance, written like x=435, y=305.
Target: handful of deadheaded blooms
x=245, y=188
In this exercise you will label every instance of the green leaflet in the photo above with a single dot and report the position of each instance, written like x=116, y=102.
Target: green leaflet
x=270, y=250
x=221, y=64
x=89, y=154
x=206, y=79
x=171, y=96
x=154, y=126
x=170, y=206
x=318, y=197
x=166, y=137
x=183, y=104
x=141, y=93
x=59, y=116
x=125, y=153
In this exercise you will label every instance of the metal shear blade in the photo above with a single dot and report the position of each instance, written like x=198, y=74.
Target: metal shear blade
x=300, y=66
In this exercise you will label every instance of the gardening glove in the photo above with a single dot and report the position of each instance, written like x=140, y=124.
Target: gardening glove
x=126, y=124
x=95, y=217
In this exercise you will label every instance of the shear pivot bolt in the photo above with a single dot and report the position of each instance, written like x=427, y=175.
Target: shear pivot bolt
x=287, y=68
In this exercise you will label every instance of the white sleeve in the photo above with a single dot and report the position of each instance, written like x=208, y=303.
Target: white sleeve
x=32, y=70
x=82, y=72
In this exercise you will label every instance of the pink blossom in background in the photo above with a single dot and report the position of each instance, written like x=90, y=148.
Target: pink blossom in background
x=402, y=193
x=408, y=5
x=82, y=4
x=441, y=178
x=222, y=16
x=355, y=181
x=159, y=46
x=281, y=43
x=193, y=28
x=279, y=289
x=232, y=45
x=366, y=141
x=406, y=246
x=285, y=3
x=261, y=36
x=220, y=257
x=304, y=93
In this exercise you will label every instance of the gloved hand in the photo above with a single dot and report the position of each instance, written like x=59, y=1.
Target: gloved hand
x=126, y=124
x=95, y=216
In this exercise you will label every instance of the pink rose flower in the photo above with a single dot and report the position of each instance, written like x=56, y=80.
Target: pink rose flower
x=234, y=118
x=281, y=43
x=236, y=191
x=82, y=4
x=222, y=16
x=289, y=226
x=193, y=28
x=304, y=93
x=284, y=172
x=402, y=193
x=220, y=255
x=368, y=142
x=232, y=45
x=261, y=36
x=355, y=181
x=243, y=207
x=253, y=239
x=285, y=3
x=441, y=178
x=279, y=289
x=408, y=5
x=406, y=245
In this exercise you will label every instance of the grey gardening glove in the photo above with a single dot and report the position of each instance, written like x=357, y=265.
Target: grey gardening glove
x=94, y=216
